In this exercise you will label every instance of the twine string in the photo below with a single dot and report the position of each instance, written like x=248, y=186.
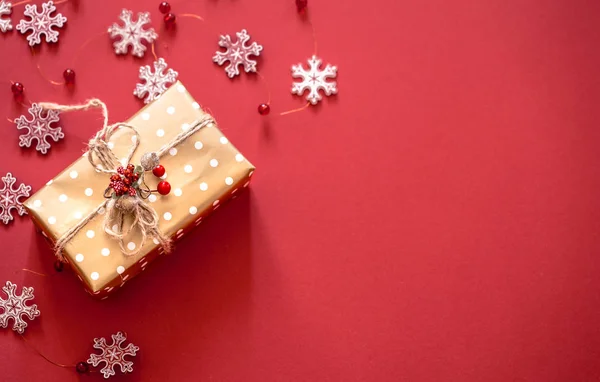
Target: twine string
x=145, y=218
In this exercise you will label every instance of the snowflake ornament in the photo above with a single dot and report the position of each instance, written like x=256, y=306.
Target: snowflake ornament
x=39, y=128
x=314, y=79
x=132, y=33
x=41, y=23
x=237, y=53
x=113, y=355
x=9, y=198
x=156, y=83
x=14, y=307
x=5, y=9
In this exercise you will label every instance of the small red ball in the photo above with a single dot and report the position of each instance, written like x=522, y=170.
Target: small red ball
x=82, y=368
x=170, y=20
x=301, y=5
x=58, y=266
x=159, y=171
x=163, y=188
x=164, y=7
x=17, y=89
x=69, y=76
x=264, y=109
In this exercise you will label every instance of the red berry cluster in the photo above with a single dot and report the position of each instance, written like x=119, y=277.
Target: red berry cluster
x=123, y=182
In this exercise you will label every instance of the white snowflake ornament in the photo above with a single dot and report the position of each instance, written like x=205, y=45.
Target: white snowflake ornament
x=5, y=9
x=314, y=79
x=9, y=198
x=132, y=33
x=113, y=355
x=237, y=53
x=15, y=308
x=155, y=83
x=39, y=128
x=41, y=23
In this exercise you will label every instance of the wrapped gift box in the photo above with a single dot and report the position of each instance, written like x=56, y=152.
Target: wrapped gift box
x=205, y=170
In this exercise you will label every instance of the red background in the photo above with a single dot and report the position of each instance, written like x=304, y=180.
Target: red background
x=436, y=221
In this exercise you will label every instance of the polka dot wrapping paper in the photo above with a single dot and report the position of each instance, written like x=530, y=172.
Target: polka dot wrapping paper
x=204, y=171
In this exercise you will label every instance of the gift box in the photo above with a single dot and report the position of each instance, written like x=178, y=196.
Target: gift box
x=204, y=170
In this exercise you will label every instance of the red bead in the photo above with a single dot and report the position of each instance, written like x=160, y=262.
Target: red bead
x=159, y=171
x=58, y=266
x=301, y=5
x=17, y=89
x=170, y=19
x=163, y=188
x=264, y=109
x=164, y=7
x=82, y=368
x=69, y=76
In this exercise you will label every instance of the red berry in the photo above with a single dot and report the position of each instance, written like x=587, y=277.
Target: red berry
x=115, y=177
x=163, y=188
x=130, y=167
x=301, y=5
x=120, y=170
x=17, y=89
x=58, y=266
x=69, y=76
x=164, y=7
x=170, y=20
x=159, y=171
x=264, y=109
x=82, y=368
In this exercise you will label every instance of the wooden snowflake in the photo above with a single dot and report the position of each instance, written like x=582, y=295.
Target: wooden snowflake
x=113, y=355
x=132, y=33
x=314, y=79
x=39, y=128
x=9, y=198
x=41, y=23
x=15, y=307
x=237, y=53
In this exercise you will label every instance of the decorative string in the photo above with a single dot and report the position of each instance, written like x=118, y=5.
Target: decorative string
x=145, y=218
x=42, y=354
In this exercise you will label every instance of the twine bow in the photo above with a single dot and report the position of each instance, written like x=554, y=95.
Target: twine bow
x=125, y=213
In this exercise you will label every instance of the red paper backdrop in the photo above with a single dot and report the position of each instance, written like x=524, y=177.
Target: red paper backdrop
x=436, y=221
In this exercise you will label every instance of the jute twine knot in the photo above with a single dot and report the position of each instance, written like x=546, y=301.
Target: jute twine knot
x=125, y=213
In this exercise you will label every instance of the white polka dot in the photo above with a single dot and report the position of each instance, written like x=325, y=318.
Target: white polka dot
x=203, y=186
x=167, y=216
x=155, y=241
x=88, y=192
x=229, y=181
x=49, y=182
x=171, y=110
x=193, y=210
x=145, y=116
x=198, y=145
x=152, y=198
x=160, y=133
x=51, y=220
x=223, y=140
x=105, y=252
x=177, y=192
x=180, y=88
x=78, y=215
x=239, y=157
x=214, y=163
x=187, y=168
x=185, y=127
x=120, y=269
x=216, y=202
x=196, y=105
x=131, y=246
x=37, y=203
x=173, y=151
x=115, y=228
x=90, y=233
x=110, y=145
x=73, y=174
x=95, y=275
x=79, y=257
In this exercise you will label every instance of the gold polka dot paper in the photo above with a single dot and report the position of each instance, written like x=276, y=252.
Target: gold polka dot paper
x=205, y=170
